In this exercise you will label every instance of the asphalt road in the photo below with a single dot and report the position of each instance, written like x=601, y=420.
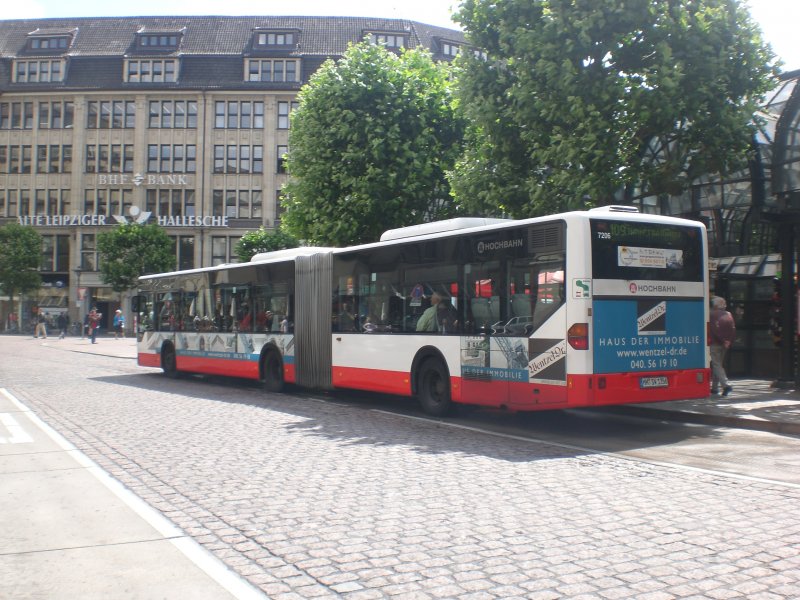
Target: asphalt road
x=326, y=498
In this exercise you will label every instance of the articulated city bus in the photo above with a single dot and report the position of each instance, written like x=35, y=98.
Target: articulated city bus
x=606, y=306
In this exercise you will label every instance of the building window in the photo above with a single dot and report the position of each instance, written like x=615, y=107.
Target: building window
x=279, y=208
x=53, y=159
x=171, y=202
x=16, y=115
x=275, y=38
x=449, y=49
x=151, y=71
x=109, y=158
x=389, y=40
x=166, y=158
x=55, y=253
x=184, y=251
x=88, y=252
x=284, y=112
x=107, y=114
x=107, y=202
x=56, y=115
x=173, y=114
x=51, y=202
x=237, y=204
x=238, y=115
x=223, y=250
x=38, y=71
x=276, y=70
x=238, y=159
x=15, y=160
x=281, y=154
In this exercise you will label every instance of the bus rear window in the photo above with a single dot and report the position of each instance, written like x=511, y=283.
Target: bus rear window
x=627, y=250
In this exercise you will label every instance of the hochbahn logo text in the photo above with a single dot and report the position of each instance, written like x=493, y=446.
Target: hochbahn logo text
x=499, y=245
x=650, y=288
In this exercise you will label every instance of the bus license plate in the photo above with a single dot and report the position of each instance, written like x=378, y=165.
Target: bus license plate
x=653, y=382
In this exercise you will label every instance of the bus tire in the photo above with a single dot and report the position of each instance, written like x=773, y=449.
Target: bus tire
x=273, y=372
x=169, y=362
x=433, y=388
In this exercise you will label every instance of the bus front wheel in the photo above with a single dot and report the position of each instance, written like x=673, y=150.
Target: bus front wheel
x=273, y=372
x=433, y=388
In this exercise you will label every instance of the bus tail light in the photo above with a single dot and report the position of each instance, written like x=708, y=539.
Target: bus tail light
x=578, y=336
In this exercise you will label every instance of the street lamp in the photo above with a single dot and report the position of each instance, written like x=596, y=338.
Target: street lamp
x=78, y=301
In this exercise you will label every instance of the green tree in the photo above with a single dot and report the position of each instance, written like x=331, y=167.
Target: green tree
x=263, y=240
x=370, y=145
x=20, y=259
x=131, y=250
x=581, y=102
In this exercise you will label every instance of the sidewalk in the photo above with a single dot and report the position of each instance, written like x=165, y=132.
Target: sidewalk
x=753, y=404
x=72, y=531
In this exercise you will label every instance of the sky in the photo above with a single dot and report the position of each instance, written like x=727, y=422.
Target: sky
x=779, y=19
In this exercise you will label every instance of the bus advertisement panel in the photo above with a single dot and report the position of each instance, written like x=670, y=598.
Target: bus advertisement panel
x=649, y=306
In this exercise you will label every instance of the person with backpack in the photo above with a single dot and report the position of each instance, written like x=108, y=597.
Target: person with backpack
x=119, y=325
x=94, y=323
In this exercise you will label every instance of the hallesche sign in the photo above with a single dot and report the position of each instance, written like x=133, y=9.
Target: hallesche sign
x=102, y=220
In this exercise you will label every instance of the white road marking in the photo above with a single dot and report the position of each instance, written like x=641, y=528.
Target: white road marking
x=18, y=434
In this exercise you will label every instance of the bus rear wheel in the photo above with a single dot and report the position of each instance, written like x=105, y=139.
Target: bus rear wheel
x=169, y=362
x=433, y=388
x=273, y=372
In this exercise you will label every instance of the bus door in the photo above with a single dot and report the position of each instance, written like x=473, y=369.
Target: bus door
x=514, y=352
x=484, y=370
x=536, y=330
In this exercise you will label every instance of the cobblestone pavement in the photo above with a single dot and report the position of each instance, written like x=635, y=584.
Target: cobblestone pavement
x=308, y=499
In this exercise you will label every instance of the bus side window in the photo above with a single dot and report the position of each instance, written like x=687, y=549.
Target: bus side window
x=481, y=291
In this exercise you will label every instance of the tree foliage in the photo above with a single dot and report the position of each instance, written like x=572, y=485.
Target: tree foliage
x=131, y=250
x=20, y=258
x=579, y=99
x=263, y=240
x=371, y=142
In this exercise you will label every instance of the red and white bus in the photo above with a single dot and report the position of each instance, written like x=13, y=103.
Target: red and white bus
x=606, y=306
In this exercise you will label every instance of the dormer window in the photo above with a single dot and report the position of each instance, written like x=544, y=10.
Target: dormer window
x=151, y=70
x=388, y=40
x=48, y=43
x=450, y=49
x=271, y=39
x=49, y=40
x=149, y=40
x=38, y=71
x=158, y=41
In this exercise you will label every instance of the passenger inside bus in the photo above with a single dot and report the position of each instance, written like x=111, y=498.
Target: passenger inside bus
x=347, y=320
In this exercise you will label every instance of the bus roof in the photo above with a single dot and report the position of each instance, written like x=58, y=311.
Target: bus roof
x=289, y=253
x=443, y=229
x=439, y=227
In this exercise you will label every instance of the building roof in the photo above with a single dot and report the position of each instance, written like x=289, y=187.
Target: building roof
x=110, y=36
x=99, y=46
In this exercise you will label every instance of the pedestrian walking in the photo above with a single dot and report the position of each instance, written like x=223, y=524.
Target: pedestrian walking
x=94, y=323
x=41, y=325
x=63, y=324
x=723, y=333
x=119, y=325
